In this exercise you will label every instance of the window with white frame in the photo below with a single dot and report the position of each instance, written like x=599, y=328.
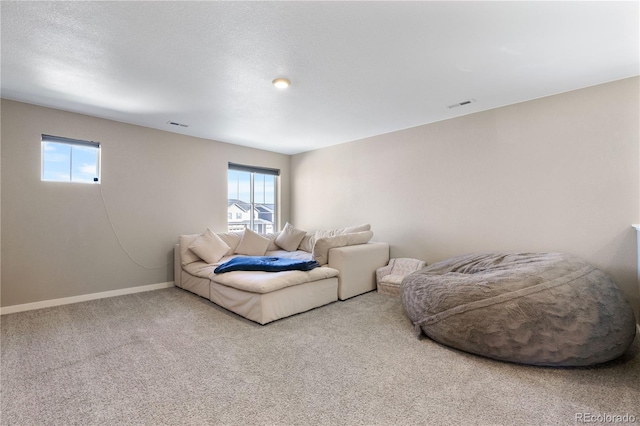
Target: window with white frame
x=252, y=198
x=70, y=160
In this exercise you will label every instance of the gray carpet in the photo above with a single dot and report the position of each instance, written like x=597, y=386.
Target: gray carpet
x=170, y=357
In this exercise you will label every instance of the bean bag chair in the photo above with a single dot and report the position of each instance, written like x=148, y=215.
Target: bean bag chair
x=546, y=309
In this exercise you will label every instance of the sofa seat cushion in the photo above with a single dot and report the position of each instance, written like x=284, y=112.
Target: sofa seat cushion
x=202, y=269
x=533, y=308
x=297, y=255
x=395, y=280
x=266, y=282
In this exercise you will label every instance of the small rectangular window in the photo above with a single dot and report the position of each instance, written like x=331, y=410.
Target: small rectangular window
x=70, y=160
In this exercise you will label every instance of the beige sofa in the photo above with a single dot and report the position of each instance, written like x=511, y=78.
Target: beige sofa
x=267, y=296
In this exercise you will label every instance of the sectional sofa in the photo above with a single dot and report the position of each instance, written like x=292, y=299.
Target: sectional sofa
x=347, y=257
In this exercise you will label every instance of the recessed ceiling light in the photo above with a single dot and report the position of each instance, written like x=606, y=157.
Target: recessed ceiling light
x=281, y=83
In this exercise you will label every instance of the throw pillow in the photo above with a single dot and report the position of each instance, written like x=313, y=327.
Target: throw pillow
x=252, y=244
x=323, y=245
x=307, y=243
x=290, y=237
x=209, y=247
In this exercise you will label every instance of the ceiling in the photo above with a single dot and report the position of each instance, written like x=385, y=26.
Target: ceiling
x=357, y=69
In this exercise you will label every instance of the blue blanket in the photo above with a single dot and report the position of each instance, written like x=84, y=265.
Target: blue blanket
x=266, y=263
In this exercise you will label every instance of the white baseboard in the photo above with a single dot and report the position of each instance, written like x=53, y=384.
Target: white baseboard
x=82, y=298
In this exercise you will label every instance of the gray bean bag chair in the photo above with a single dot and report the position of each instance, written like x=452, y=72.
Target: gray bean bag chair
x=532, y=308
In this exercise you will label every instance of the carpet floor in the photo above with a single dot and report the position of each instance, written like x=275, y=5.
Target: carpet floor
x=170, y=357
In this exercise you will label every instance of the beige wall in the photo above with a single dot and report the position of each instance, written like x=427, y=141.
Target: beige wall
x=56, y=239
x=554, y=174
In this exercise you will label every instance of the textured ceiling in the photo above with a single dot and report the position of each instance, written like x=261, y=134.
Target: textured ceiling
x=357, y=68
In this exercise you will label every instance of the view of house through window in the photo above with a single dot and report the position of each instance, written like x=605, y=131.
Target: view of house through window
x=70, y=160
x=252, y=198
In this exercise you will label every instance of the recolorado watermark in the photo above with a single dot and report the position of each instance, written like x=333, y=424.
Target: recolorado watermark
x=605, y=418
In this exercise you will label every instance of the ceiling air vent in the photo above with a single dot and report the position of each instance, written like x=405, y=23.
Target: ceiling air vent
x=173, y=123
x=463, y=103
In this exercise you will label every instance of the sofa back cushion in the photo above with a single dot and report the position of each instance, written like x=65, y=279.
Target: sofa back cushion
x=272, y=240
x=307, y=243
x=232, y=239
x=186, y=255
x=342, y=231
x=309, y=240
x=323, y=245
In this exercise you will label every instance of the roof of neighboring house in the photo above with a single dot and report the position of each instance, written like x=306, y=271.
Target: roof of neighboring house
x=264, y=208
x=244, y=206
